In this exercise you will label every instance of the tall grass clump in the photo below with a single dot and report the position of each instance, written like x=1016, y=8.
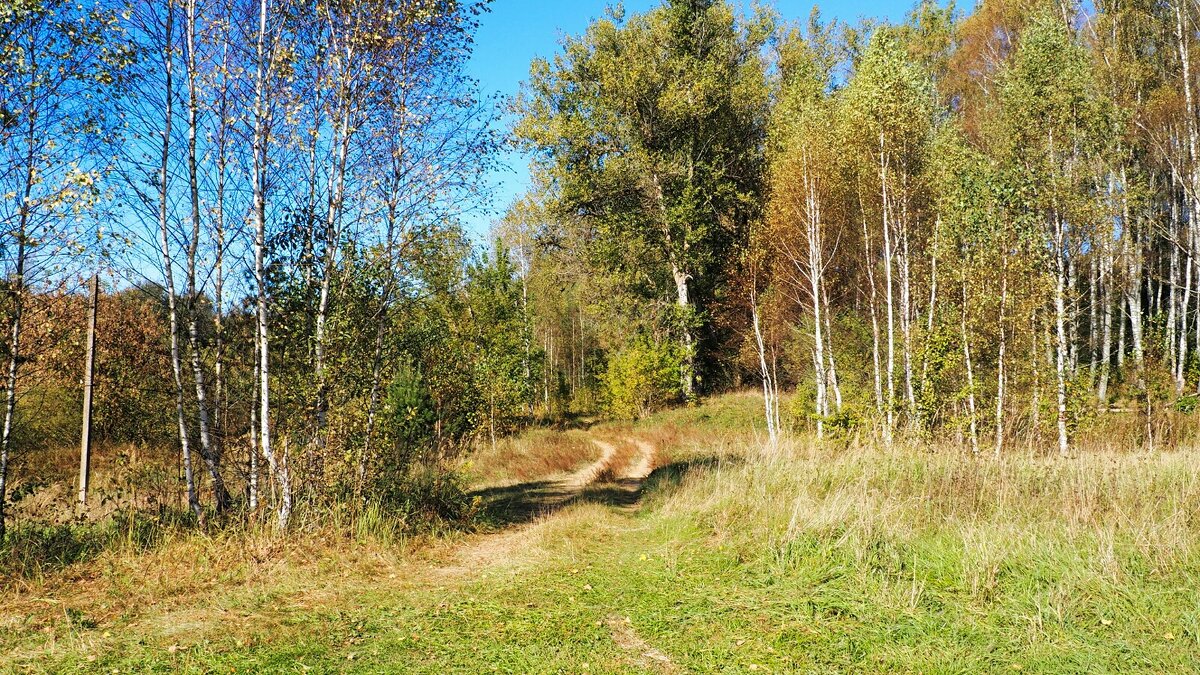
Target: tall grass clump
x=535, y=454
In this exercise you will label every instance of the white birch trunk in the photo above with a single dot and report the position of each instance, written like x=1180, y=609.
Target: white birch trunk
x=279, y=469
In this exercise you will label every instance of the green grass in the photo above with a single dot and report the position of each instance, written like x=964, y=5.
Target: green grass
x=807, y=560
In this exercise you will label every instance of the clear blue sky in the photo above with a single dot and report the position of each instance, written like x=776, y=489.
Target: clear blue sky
x=516, y=31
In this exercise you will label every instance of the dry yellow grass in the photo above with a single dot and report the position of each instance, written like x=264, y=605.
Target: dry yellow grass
x=532, y=455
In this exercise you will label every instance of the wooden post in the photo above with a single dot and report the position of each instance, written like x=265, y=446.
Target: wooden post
x=85, y=443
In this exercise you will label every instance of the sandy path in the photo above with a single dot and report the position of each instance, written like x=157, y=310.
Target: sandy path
x=644, y=464
x=540, y=500
x=585, y=476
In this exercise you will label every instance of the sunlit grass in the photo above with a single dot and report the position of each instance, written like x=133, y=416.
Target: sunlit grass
x=804, y=558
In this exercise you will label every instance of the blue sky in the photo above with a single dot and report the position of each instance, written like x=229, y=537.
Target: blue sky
x=516, y=31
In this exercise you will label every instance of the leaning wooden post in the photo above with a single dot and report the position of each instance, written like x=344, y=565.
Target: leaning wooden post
x=85, y=443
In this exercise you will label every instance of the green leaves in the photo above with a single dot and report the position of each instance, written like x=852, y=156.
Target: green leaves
x=650, y=131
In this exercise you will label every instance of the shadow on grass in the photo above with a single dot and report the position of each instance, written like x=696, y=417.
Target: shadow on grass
x=524, y=502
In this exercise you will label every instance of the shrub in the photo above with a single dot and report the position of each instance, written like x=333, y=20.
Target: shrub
x=641, y=377
x=426, y=497
x=410, y=412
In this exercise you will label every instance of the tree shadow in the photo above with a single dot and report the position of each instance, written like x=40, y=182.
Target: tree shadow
x=669, y=476
x=524, y=502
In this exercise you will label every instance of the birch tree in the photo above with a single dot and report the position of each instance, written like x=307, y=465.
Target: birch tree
x=887, y=116
x=1054, y=123
x=804, y=172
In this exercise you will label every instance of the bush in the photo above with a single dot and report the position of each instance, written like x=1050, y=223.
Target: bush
x=642, y=376
x=426, y=497
x=35, y=548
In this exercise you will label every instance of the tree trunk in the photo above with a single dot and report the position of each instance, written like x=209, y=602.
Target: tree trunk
x=1184, y=302
x=1000, y=363
x=1106, y=282
x=168, y=268
x=1072, y=317
x=207, y=450
x=770, y=393
x=687, y=365
x=1060, y=318
x=832, y=370
x=279, y=469
x=17, y=293
x=1093, y=316
x=815, y=271
x=875, y=336
x=222, y=165
x=906, y=310
x=970, y=368
x=891, y=313
x=15, y=326
x=337, y=180
x=252, y=469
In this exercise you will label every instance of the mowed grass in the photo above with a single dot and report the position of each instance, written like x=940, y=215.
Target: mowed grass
x=803, y=559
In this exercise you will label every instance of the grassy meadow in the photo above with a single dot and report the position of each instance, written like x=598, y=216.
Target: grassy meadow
x=736, y=558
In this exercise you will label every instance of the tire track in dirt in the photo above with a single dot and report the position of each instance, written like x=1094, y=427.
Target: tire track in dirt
x=532, y=504
x=615, y=478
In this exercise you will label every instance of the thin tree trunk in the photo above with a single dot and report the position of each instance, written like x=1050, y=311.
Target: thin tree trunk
x=1000, y=360
x=332, y=238
x=207, y=450
x=815, y=271
x=891, y=314
x=17, y=293
x=875, y=338
x=168, y=266
x=770, y=395
x=1184, y=302
x=252, y=482
x=279, y=469
x=933, y=288
x=1072, y=317
x=1060, y=318
x=15, y=326
x=966, y=345
x=1093, y=316
x=687, y=375
x=1106, y=282
x=377, y=357
x=832, y=370
x=1173, y=288
x=1035, y=398
x=906, y=308
x=219, y=418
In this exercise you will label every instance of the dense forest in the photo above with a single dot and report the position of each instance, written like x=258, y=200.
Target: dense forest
x=977, y=230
